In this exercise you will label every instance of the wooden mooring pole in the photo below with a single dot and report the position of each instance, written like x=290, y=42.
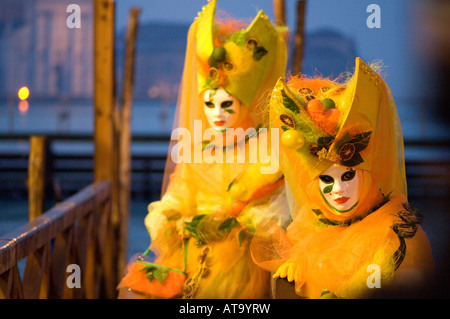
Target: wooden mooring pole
x=125, y=133
x=36, y=176
x=106, y=149
x=112, y=131
x=279, y=10
x=104, y=90
x=36, y=280
x=297, y=60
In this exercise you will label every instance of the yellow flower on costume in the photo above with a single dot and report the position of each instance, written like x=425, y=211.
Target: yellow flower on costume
x=322, y=154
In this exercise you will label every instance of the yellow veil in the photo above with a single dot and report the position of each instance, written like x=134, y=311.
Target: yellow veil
x=250, y=62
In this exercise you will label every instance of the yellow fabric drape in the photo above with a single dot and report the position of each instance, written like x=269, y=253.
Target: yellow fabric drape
x=193, y=189
x=337, y=257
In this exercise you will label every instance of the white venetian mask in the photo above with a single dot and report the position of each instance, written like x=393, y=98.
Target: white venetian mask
x=221, y=109
x=339, y=187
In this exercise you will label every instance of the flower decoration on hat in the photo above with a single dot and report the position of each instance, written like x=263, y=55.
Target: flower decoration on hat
x=231, y=55
x=348, y=121
x=312, y=114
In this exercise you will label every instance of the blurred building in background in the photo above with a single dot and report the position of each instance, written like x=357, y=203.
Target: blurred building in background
x=40, y=51
x=328, y=53
x=159, y=60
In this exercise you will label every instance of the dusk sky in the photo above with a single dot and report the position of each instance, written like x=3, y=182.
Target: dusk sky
x=393, y=43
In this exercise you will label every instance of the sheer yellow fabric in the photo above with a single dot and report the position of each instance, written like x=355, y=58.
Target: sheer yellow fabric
x=337, y=258
x=216, y=260
x=201, y=189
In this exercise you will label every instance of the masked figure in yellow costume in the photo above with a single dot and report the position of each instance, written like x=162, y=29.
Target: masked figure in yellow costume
x=353, y=231
x=199, y=234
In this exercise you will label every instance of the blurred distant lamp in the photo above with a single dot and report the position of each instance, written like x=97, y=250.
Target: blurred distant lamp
x=23, y=93
x=23, y=107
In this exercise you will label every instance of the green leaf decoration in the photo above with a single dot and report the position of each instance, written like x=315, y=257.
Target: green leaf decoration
x=328, y=189
x=209, y=83
x=285, y=128
x=259, y=52
x=229, y=111
x=355, y=160
x=325, y=141
x=153, y=272
x=195, y=220
x=228, y=224
x=212, y=63
x=289, y=103
x=361, y=141
x=346, y=138
x=160, y=274
x=238, y=37
x=242, y=235
x=192, y=228
x=219, y=54
x=231, y=184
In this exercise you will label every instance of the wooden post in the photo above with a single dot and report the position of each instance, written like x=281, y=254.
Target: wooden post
x=125, y=134
x=105, y=142
x=299, y=36
x=279, y=10
x=36, y=176
x=35, y=276
x=104, y=100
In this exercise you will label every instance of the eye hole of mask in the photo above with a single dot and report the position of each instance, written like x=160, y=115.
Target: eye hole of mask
x=327, y=179
x=348, y=176
x=226, y=104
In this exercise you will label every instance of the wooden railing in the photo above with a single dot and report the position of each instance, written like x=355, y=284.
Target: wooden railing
x=75, y=232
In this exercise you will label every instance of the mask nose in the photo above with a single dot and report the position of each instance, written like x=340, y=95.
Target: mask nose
x=338, y=188
x=218, y=112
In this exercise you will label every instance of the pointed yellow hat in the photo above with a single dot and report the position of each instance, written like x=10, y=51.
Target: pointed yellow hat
x=354, y=124
x=241, y=61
